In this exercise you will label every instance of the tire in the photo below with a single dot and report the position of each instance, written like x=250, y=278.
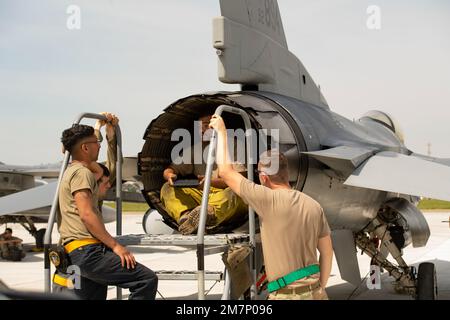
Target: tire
x=39, y=237
x=426, y=282
x=153, y=223
x=144, y=220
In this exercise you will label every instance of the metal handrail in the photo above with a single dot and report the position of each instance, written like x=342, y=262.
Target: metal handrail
x=204, y=205
x=52, y=216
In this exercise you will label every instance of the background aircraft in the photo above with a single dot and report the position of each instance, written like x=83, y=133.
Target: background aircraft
x=14, y=179
x=26, y=194
x=360, y=171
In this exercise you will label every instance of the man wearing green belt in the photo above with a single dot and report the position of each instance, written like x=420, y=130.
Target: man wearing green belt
x=293, y=225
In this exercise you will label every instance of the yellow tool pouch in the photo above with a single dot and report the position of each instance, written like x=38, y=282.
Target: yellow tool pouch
x=59, y=258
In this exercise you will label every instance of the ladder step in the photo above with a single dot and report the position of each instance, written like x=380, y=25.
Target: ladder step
x=188, y=275
x=181, y=240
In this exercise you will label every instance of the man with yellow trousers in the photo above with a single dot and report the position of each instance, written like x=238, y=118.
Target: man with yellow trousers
x=183, y=203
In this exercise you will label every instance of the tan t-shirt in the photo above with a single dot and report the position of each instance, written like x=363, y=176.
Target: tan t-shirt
x=291, y=225
x=76, y=177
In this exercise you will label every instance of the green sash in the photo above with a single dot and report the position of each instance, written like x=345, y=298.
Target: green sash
x=292, y=277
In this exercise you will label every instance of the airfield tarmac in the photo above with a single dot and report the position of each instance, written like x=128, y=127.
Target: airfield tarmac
x=29, y=274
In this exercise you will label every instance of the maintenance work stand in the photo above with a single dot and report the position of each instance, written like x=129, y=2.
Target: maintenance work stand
x=204, y=244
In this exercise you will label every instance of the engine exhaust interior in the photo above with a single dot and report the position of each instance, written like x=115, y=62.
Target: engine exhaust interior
x=156, y=153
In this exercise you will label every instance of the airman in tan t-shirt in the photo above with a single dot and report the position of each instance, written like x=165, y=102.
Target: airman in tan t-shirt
x=293, y=225
x=76, y=177
x=286, y=215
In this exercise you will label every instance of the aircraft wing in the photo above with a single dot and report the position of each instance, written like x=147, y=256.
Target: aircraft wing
x=38, y=198
x=42, y=196
x=129, y=169
x=35, y=198
x=50, y=171
x=399, y=173
x=444, y=161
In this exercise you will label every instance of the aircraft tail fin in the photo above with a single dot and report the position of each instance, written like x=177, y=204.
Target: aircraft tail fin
x=262, y=16
x=252, y=50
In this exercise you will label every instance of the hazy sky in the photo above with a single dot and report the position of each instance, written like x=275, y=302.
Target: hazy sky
x=134, y=58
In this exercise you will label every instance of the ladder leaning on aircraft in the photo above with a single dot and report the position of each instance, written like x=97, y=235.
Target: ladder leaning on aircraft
x=217, y=243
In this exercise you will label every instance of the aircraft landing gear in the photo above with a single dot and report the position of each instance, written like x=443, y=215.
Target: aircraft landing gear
x=404, y=275
x=38, y=235
x=421, y=285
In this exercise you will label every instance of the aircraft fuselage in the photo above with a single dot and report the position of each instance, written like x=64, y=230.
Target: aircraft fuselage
x=302, y=128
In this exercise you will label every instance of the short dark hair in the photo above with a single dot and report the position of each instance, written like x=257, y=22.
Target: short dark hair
x=70, y=137
x=106, y=172
x=8, y=229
